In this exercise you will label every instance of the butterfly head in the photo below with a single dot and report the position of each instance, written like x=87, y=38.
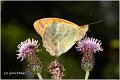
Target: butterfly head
x=82, y=32
x=84, y=28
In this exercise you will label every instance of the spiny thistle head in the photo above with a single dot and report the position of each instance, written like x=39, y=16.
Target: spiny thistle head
x=27, y=47
x=27, y=50
x=88, y=46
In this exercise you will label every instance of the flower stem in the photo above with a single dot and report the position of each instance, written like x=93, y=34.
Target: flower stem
x=39, y=76
x=87, y=75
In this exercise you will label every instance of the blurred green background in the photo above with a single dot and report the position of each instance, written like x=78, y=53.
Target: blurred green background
x=17, y=20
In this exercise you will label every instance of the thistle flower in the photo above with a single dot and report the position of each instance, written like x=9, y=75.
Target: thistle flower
x=27, y=50
x=56, y=69
x=88, y=46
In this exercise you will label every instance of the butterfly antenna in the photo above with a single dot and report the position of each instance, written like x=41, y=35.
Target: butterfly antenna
x=91, y=12
x=95, y=22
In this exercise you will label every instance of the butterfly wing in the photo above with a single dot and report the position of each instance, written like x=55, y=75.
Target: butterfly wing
x=59, y=38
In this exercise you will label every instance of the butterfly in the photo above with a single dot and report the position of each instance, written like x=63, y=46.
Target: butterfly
x=59, y=35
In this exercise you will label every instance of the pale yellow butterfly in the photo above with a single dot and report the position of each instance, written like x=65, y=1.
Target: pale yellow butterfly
x=59, y=35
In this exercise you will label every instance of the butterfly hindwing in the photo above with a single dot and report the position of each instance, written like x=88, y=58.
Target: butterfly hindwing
x=59, y=38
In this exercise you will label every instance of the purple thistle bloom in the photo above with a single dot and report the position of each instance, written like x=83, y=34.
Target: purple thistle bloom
x=27, y=47
x=90, y=45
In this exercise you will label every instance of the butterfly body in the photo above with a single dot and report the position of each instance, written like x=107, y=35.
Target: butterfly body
x=59, y=35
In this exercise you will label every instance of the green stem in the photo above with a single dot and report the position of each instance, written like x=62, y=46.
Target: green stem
x=39, y=76
x=87, y=75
